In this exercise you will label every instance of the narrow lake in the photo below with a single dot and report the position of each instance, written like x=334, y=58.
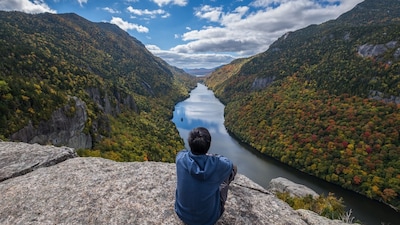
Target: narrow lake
x=202, y=108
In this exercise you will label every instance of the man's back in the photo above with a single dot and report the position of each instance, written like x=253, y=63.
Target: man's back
x=198, y=181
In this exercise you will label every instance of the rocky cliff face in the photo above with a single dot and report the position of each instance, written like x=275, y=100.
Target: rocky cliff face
x=260, y=83
x=67, y=129
x=61, y=129
x=59, y=188
x=369, y=50
x=112, y=104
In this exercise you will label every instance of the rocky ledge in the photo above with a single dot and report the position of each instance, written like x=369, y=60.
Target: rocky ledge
x=57, y=187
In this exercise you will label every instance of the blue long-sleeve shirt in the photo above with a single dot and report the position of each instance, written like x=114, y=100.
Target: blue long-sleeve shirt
x=197, y=192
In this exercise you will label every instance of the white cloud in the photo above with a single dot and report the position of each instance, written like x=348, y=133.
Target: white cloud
x=191, y=61
x=36, y=6
x=166, y=15
x=124, y=25
x=110, y=10
x=210, y=13
x=172, y=2
x=146, y=12
x=81, y=2
x=227, y=32
x=153, y=48
x=347, y=4
x=248, y=30
x=276, y=3
x=235, y=16
x=216, y=14
x=267, y=3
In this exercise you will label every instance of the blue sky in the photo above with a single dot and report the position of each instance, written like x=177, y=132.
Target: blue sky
x=197, y=33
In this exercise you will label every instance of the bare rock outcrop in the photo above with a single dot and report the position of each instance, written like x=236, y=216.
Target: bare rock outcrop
x=61, y=129
x=260, y=83
x=17, y=159
x=100, y=191
x=369, y=50
x=281, y=184
x=312, y=218
x=379, y=96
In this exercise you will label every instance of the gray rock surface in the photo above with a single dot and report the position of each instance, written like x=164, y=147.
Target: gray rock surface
x=260, y=83
x=379, y=96
x=20, y=158
x=281, y=184
x=312, y=218
x=100, y=191
x=369, y=50
x=61, y=129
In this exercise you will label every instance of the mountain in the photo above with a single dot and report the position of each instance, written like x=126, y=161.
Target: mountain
x=199, y=71
x=67, y=81
x=372, y=12
x=325, y=100
x=330, y=49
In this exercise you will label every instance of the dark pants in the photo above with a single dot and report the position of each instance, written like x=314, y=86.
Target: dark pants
x=223, y=188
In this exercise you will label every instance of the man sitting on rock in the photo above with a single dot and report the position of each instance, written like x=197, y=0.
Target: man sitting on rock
x=202, y=181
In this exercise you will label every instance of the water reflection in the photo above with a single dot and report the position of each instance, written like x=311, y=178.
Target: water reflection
x=204, y=109
x=201, y=109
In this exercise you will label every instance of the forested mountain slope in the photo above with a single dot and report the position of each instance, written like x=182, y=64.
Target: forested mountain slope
x=54, y=65
x=325, y=99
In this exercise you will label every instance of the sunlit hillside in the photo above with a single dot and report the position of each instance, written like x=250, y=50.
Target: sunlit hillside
x=326, y=100
x=48, y=61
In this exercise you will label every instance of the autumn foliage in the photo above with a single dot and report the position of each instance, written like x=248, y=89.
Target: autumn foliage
x=347, y=140
x=47, y=58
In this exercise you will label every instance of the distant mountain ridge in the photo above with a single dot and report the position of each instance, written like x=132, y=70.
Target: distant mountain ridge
x=199, y=71
x=50, y=62
x=325, y=99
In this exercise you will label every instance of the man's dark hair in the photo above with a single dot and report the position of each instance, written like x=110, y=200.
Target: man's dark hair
x=199, y=140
